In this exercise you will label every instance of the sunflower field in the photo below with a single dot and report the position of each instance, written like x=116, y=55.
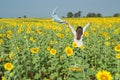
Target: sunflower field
x=40, y=49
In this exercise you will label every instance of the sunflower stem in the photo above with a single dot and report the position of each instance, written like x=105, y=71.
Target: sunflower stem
x=80, y=65
x=74, y=60
x=83, y=72
x=118, y=69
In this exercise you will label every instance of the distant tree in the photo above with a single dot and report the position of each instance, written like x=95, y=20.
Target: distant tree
x=94, y=15
x=24, y=16
x=78, y=14
x=84, y=16
x=69, y=14
x=98, y=15
x=19, y=17
x=91, y=15
x=116, y=15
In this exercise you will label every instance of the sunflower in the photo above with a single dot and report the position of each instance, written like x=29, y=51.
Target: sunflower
x=2, y=59
x=74, y=44
x=69, y=51
x=53, y=51
x=107, y=43
x=116, y=31
x=86, y=34
x=82, y=47
x=40, y=31
x=8, y=66
x=3, y=78
x=9, y=32
x=32, y=39
x=76, y=69
x=20, y=29
x=34, y=50
x=8, y=36
x=11, y=54
x=1, y=35
x=60, y=35
x=103, y=75
x=118, y=56
x=48, y=48
x=52, y=42
x=28, y=30
x=1, y=41
x=117, y=48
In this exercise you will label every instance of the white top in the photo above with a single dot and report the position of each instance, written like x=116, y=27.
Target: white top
x=78, y=42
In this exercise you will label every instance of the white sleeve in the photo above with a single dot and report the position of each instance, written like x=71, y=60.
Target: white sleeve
x=56, y=18
x=53, y=12
x=85, y=27
x=71, y=28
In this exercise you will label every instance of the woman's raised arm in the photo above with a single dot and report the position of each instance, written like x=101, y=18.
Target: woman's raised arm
x=71, y=28
x=85, y=27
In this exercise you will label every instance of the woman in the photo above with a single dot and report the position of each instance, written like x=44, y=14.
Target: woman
x=78, y=34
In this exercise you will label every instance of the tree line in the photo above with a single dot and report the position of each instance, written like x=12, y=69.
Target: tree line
x=90, y=14
x=78, y=14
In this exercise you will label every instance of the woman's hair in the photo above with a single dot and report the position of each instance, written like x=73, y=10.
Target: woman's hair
x=79, y=32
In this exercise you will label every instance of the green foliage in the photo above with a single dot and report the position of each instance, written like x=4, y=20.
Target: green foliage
x=70, y=15
x=42, y=65
x=94, y=15
x=77, y=14
x=116, y=15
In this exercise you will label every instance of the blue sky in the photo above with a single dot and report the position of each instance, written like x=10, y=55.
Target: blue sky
x=43, y=8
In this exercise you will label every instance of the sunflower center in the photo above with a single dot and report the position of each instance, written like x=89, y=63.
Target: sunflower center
x=75, y=44
x=68, y=51
x=104, y=77
x=53, y=51
x=35, y=50
x=8, y=66
x=118, y=48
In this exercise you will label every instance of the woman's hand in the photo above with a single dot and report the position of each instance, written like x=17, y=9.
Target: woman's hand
x=89, y=23
x=67, y=23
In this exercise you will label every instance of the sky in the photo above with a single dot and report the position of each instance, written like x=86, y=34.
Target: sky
x=43, y=8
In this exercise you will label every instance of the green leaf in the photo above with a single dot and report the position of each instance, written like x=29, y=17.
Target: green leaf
x=86, y=65
x=24, y=78
x=59, y=78
x=37, y=76
x=90, y=72
x=54, y=75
